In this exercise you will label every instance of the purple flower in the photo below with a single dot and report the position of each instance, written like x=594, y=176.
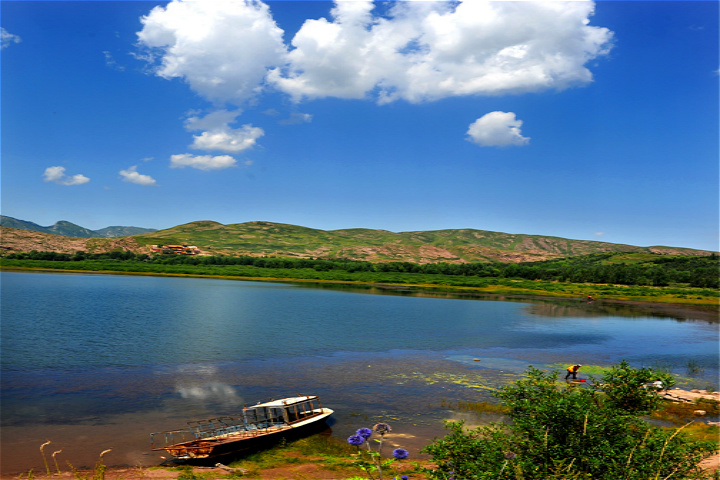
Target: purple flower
x=364, y=432
x=400, y=453
x=356, y=440
x=382, y=428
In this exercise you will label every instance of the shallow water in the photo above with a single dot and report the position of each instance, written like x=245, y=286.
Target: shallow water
x=92, y=362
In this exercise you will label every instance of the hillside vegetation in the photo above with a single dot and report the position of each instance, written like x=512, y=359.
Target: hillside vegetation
x=261, y=239
x=450, y=246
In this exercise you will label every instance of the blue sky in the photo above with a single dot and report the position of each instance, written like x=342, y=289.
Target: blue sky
x=593, y=121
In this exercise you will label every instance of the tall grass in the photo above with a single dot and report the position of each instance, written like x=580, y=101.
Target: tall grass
x=98, y=472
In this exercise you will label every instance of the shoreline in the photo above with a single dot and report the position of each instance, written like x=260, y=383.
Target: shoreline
x=539, y=304
x=307, y=467
x=686, y=310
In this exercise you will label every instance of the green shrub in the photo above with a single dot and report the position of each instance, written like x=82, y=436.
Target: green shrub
x=571, y=431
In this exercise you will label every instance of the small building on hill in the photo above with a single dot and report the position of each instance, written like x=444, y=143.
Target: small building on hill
x=175, y=249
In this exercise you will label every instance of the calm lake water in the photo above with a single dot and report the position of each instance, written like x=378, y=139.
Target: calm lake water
x=93, y=362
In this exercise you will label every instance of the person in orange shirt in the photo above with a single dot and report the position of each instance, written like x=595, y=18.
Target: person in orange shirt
x=572, y=370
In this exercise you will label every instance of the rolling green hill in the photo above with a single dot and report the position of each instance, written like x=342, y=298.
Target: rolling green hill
x=292, y=241
x=452, y=246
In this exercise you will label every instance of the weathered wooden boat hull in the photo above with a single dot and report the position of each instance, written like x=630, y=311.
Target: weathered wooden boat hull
x=269, y=422
x=203, y=449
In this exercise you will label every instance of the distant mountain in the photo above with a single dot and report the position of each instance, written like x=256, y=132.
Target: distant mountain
x=117, y=231
x=68, y=229
x=292, y=241
x=21, y=224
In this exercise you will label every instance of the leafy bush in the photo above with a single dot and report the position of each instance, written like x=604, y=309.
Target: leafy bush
x=571, y=432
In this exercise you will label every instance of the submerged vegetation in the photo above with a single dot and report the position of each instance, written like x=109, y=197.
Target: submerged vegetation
x=659, y=278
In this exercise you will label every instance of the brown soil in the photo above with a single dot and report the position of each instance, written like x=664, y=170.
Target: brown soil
x=311, y=470
x=303, y=471
x=15, y=240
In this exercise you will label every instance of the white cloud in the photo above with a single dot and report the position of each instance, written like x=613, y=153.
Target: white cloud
x=296, y=118
x=7, y=38
x=211, y=121
x=219, y=135
x=416, y=51
x=57, y=175
x=131, y=175
x=497, y=129
x=221, y=48
x=424, y=51
x=228, y=139
x=202, y=162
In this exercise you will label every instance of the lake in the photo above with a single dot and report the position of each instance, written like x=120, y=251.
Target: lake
x=92, y=362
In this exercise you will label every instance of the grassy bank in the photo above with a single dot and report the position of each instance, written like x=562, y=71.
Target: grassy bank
x=461, y=284
x=444, y=283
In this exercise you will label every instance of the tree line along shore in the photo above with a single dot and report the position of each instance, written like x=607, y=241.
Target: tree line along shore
x=649, y=278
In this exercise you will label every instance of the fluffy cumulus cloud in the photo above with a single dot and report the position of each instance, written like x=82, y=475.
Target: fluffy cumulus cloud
x=131, y=175
x=416, y=51
x=424, y=51
x=202, y=162
x=57, y=175
x=497, y=129
x=221, y=48
x=8, y=38
x=219, y=135
x=228, y=139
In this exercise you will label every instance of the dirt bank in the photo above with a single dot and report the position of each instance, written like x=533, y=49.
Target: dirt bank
x=312, y=470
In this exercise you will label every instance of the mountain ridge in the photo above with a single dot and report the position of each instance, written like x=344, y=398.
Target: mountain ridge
x=261, y=238
x=68, y=229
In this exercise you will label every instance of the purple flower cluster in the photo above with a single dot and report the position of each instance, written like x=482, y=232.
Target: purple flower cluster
x=360, y=436
x=400, y=453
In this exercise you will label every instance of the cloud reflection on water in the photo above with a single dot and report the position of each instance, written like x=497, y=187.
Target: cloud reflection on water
x=213, y=391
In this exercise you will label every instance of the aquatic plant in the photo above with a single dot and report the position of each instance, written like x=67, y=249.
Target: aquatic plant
x=694, y=368
x=370, y=460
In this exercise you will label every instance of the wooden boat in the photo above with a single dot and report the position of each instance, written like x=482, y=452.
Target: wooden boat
x=225, y=435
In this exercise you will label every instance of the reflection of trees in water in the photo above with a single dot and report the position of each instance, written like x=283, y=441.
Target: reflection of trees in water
x=581, y=309
x=568, y=307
